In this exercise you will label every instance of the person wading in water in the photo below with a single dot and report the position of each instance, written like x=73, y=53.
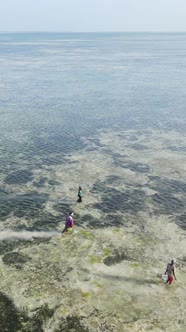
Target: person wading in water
x=69, y=224
x=170, y=271
x=80, y=194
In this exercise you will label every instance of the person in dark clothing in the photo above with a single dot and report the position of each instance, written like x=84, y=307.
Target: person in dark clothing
x=80, y=194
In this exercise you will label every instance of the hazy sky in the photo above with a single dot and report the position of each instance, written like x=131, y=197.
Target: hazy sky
x=93, y=15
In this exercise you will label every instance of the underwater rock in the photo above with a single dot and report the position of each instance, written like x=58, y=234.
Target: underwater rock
x=71, y=324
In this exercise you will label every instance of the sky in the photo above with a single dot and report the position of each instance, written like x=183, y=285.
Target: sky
x=93, y=15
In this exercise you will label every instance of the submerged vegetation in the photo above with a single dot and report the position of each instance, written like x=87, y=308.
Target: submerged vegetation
x=64, y=125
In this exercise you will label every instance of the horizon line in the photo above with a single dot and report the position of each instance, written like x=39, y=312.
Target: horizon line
x=52, y=31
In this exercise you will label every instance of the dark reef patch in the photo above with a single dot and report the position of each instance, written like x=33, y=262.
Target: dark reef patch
x=71, y=324
x=52, y=160
x=19, y=177
x=13, y=320
x=112, y=179
x=45, y=222
x=10, y=317
x=113, y=200
x=27, y=206
x=115, y=258
x=105, y=221
x=120, y=254
x=36, y=323
x=166, y=204
x=3, y=191
x=9, y=246
x=6, y=246
x=62, y=208
x=165, y=185
x=114, y=220
x=57, y=145
x=181, y=221
x=129, y=201
x=165, y=200
x=5, y=209
x=15, y=259
x=135, y=167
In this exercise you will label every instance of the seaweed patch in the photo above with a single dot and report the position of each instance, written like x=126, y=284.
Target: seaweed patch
x=15, y=259
x=166, y=204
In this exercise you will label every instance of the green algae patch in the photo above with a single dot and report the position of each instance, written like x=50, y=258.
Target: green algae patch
x=85, y=294
x=116, y=230
x=64, y=311
x=97, y=284
x=85, y=233
x=95, y=259
x=37, y=295
x=107, y=251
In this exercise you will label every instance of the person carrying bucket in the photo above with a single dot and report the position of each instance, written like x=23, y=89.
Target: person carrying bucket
x=170, y=272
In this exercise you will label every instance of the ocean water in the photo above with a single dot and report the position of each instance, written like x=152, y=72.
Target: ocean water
x=60, y=92
x=105, y=111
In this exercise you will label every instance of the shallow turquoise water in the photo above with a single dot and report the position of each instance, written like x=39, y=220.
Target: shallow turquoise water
x=58, y=90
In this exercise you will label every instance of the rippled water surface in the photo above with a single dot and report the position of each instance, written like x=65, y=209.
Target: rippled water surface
x=60, y=92
x=105, y=111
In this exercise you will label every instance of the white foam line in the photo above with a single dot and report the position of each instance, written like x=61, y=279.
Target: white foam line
x=24, y=235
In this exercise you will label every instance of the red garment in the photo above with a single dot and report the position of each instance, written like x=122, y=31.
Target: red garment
x=170, y=280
